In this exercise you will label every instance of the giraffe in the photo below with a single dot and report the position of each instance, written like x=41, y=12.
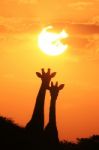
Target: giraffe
x=51, y=132
x=35, y=126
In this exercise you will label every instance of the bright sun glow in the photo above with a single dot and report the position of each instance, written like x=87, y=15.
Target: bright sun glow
x=50, y=43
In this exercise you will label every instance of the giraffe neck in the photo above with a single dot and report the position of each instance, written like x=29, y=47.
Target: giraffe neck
x=51, y=132
x=52, y=114
x=37, y=119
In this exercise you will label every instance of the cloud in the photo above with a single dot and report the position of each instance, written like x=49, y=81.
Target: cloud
x=86, y=47
x=83, y=38
x=28, y=1
x=80, y=5
x=19, y=2
x=75, y=28
x=18, y=25
x=21, y=24
x=95, y=20
x=24, y=19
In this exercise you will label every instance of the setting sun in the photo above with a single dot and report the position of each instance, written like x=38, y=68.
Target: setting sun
x=62, y=35
x=50, y=42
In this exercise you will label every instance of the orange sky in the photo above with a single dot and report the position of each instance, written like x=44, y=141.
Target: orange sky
x=20, y=57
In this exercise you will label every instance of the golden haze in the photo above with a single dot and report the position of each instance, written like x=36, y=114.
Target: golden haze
x=77, y=68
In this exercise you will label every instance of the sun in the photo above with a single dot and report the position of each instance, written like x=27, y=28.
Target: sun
x=51, y=43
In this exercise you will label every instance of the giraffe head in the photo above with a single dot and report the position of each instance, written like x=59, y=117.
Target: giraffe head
x=54, y=89
x=46, y=77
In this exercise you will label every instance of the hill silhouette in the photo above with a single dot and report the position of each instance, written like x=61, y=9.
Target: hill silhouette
x=34, y=136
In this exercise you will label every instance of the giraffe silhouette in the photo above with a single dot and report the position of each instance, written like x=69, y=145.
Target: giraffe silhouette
x=35, y=126
x=51, y=132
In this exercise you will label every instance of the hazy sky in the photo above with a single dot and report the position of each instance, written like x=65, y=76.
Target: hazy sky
x=20, y=57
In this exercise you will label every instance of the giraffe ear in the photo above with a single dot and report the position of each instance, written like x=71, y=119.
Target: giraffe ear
x=51, y=83
x=38, y=74
x=53, y=74
x=61, y=87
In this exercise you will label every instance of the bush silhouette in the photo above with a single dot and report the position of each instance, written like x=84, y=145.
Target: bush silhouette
x=11, y=135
